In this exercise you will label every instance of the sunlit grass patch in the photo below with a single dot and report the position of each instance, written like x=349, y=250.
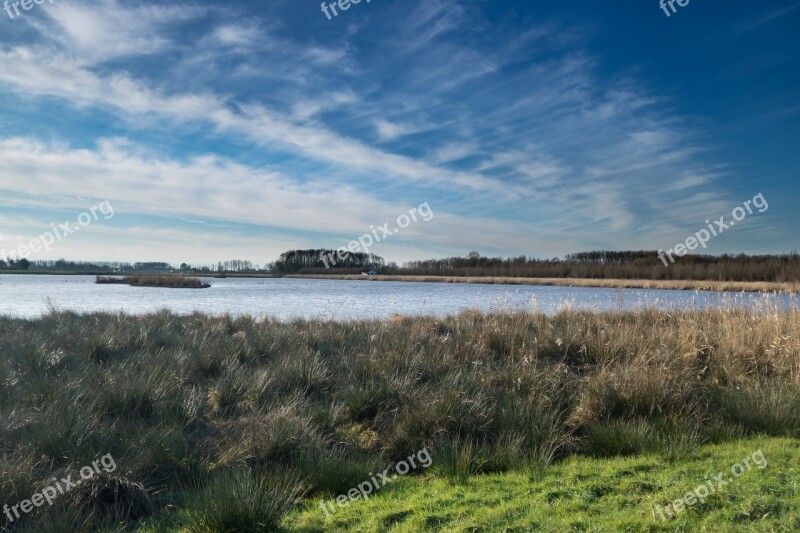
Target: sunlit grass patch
x=585, y=494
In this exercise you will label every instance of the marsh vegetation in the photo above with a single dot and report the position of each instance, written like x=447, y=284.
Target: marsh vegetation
x=232, y=420
x=165, y=281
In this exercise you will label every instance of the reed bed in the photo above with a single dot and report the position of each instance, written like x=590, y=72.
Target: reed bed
x=197, y=408
x=171, y=282
x=678, y=285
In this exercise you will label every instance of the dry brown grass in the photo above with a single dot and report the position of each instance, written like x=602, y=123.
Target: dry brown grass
x=689, y=285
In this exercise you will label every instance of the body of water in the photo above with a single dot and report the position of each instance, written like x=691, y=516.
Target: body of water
x=33, y=295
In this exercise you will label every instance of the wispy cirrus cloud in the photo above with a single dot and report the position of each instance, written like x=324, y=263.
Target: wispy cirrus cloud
x=213, y=188
x=772, y=15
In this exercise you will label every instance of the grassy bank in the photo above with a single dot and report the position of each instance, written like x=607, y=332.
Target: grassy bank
x=228, y=421
x=732, y=286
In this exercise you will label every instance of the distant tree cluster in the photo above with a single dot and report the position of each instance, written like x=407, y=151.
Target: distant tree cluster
x=12, y=264
x=311, y=262
x=616, y=265
x=237, y=265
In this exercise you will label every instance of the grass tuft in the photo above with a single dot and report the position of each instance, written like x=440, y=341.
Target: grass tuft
x=244, y=500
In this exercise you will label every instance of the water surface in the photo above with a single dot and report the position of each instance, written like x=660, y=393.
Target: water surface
x=30, y=296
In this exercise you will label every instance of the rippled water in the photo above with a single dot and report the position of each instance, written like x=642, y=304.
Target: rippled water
x=30, y=296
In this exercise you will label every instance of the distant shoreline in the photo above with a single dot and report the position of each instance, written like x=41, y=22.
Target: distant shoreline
x=690, y=285
x=145, y=273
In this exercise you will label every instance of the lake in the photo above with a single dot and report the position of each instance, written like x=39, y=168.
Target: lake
x=31, y=295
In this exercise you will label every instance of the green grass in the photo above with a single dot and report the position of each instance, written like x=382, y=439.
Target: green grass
x=577, y=494
x=585, y=494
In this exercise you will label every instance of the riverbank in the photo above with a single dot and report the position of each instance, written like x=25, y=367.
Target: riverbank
x=230, y=420
x=688, y=285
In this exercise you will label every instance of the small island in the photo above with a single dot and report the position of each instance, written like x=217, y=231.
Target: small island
x=170, y=282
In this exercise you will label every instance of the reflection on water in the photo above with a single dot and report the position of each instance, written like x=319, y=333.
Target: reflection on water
x=30, y=295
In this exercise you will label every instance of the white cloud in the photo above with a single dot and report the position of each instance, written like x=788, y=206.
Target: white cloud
x=389, y=131
x=236, y=34
x=310, y=108
x=454, y=152
x=108, y=29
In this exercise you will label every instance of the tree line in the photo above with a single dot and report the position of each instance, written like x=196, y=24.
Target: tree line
x=108, y=267
x=616, y=265
x=638, y=264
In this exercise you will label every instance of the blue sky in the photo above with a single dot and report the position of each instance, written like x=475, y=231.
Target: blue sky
x=243, y=129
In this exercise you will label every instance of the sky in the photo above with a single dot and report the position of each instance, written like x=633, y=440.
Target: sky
x=532, y=127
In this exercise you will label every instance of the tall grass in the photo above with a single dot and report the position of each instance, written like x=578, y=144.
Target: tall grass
x=196, y=407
